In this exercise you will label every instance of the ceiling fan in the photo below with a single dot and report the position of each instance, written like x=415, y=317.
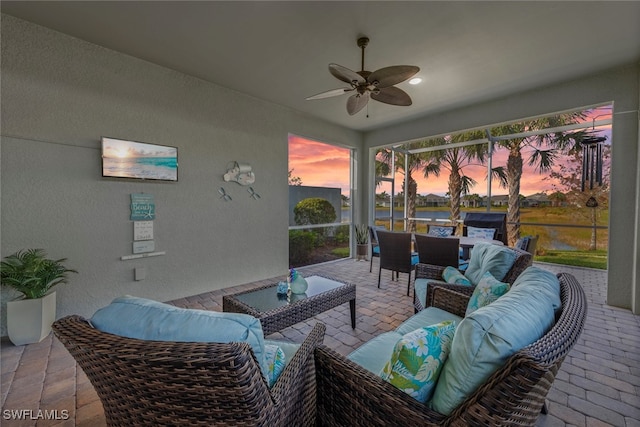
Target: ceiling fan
x=378, y=85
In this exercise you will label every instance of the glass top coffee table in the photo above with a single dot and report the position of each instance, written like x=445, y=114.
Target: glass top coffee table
x=277, y=312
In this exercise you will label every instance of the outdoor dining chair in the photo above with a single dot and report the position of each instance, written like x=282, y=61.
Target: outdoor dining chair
x=440, y=230
x=434, y=250
x=373, y=241
x=395, y=254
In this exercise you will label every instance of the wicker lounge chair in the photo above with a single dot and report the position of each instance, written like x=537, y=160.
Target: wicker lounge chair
x=434, y=272
x=187, y=383
x=349, y=395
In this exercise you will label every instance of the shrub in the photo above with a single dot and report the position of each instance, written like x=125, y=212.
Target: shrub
x=301, y=244
x=314, y=210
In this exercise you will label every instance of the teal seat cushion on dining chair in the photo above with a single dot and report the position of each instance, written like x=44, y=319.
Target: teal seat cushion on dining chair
x=495, y=259
x=145, y=319
x=415, y=258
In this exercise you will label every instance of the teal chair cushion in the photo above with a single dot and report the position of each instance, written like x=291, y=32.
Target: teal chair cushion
x=495, y=259
x=144, y=319
x=375, y=353
x=415, y=258
x=486, y=338
x=426, y=317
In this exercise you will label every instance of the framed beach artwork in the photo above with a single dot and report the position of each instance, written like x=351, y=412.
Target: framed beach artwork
x=138, y=160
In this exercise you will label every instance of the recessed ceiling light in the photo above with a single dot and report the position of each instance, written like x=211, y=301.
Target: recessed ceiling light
x=415, y=81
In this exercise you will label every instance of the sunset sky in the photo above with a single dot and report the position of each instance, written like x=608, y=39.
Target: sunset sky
x=324, y=165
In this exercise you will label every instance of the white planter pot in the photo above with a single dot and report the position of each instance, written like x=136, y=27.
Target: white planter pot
x=29, y=320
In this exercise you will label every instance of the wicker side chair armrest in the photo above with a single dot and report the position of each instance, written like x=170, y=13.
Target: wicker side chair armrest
x=349, y=395
x=429, y=271
x=451, y=300
x=460, y=289
x=143, y=382
x=431, y=285
x=299, y=366
x=523, y=260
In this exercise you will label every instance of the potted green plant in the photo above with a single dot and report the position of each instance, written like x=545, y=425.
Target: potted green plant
x=31, y=273
x=362, y=238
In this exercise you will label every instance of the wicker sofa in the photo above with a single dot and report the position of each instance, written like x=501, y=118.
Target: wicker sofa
x=153, y=382
x=429, y=276
x=351, y=395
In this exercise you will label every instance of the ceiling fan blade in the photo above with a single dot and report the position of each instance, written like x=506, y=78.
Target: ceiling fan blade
x=357, y=102
x=389, y=76
x=345, y=74
x=392, y=95
x=330, y=93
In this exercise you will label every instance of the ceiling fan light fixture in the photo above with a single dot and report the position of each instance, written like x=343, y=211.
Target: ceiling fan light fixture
x=379, y=85
x=415, y=81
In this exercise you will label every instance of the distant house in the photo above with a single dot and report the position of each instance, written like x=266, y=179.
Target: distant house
x=502, y=200
x=537, y=199
x=431, y=200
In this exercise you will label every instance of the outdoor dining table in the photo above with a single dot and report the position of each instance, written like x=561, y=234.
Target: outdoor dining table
x=467, y=243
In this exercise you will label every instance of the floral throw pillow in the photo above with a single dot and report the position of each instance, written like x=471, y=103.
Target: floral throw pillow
x=453, y=276
x=487, y=291
x=275, y=360
x=417, y=360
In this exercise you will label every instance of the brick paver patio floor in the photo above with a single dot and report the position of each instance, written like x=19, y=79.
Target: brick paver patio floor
x=598, y=384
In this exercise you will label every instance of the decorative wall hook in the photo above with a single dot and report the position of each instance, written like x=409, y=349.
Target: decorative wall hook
x=224, y=195
x=240, y=173
x=253, y=194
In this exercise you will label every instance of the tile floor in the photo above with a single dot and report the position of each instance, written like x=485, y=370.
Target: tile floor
x=598, y=384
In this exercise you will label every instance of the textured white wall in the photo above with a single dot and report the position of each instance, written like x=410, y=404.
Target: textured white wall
x=60, y=95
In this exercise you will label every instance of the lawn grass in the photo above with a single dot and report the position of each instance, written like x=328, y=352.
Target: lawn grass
x=341, y=252
x=559, y=237
x=591, y=259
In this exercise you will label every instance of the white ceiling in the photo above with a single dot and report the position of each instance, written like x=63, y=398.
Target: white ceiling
x=468, y=52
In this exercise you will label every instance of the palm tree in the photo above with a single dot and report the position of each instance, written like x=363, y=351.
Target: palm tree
x=546, y=148
x=473, y=200
x=454, y=160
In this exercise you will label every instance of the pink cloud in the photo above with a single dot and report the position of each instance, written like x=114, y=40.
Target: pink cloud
x=324, y=165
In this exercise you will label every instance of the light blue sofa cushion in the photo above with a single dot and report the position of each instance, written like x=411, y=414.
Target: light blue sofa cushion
x=428, y=316
x=486, y=338
x=485, y=257
x=375, y=353
x=144, y=319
